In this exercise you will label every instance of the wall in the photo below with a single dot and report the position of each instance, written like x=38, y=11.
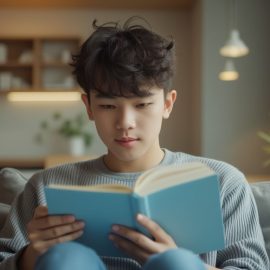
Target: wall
x=19, y=122
x=233, y=112
x=196, y=62
x=218, y=119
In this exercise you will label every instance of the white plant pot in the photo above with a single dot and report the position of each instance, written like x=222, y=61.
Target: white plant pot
x=76, y=146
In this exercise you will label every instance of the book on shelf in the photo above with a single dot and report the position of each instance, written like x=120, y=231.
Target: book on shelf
x=183, y=199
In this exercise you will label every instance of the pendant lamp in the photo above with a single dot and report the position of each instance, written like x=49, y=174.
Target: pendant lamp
x=229, y=72
x=235, y=46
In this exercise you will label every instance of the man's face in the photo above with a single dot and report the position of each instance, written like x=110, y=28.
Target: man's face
x=130, y=127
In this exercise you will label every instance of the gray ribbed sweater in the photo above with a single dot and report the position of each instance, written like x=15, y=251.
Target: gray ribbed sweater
x=244, y=240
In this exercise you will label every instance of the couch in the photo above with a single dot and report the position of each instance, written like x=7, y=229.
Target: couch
x=12, y=182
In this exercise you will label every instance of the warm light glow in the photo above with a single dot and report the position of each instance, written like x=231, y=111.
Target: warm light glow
x=231, y=51
x=228, y=75
x=234, y=47
x=43, y=96
x=229, y=72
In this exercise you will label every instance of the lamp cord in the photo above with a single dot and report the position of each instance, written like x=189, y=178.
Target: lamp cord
x=233, y=14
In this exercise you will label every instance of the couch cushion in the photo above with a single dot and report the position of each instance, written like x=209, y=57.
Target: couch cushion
x=4, y=209
x=261, y=191
x=12, y=182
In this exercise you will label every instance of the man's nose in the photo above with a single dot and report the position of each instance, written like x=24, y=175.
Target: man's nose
x=125, y=119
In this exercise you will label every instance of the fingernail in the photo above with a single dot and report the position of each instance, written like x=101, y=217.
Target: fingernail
x=115, y=228
x=81, y=223
x=70, y=218
x=140, y=216
x=80, y=233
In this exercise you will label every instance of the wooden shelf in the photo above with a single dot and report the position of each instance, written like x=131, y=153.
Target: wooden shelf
x=16, y=65
x=41, y=163
x=55, y=160
x=257, y=178
x=34, y=163
x=90, y=5
x=5, y=92
x=55, y=64
x=33, y=63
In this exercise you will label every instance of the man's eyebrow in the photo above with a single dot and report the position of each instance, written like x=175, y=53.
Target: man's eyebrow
x=100, y=95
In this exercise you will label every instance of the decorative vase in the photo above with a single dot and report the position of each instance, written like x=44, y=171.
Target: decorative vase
x=76, y=146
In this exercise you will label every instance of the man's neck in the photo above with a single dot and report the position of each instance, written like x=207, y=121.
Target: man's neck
x=139, y=165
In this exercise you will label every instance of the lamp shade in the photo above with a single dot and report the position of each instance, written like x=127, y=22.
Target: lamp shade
x=229, y=73
x=234, y=47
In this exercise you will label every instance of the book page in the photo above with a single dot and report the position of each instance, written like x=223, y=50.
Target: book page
x=168, y=176
x=98, y=188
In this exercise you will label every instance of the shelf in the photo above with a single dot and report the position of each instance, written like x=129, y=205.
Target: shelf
x=34, y=163
x=16, y=65
x=42, y=162
x=257, y=178
x=55, y=64
x=38, y=63
x=45, y=90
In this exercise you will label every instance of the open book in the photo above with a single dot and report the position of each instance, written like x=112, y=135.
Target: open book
x=183, y=199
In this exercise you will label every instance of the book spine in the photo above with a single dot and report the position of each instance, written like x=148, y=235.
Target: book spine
x=139, y=205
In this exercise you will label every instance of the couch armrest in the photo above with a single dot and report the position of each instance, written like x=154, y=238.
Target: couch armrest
x=4, y=209
x=12, y=182
x=261, y=191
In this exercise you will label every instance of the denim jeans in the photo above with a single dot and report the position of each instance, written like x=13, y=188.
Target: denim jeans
x=74, y=256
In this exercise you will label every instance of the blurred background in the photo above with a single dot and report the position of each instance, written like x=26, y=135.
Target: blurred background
x=212, y=117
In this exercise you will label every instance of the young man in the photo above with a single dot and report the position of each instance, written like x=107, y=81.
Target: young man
x=126, y=75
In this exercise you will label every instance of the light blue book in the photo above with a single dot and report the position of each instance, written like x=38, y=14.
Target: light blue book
x=184, y=200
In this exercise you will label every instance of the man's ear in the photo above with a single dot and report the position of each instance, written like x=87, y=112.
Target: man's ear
x=87, y=105
x=168, y=104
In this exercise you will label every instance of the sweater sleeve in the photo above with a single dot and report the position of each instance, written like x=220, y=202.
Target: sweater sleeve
x=244, y=240
x=13, y=236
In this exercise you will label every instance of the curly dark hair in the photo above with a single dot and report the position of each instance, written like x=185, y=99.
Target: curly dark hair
x=124, y=61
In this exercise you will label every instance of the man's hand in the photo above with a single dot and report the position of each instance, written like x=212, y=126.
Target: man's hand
x=139, y=246
x=45, y=231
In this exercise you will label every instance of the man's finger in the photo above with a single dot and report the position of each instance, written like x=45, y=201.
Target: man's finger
x=154, y=229
x=56, y=232
x=47, y=222
x=41, y=211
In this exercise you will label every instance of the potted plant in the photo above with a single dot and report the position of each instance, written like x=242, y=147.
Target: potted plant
x=73, y=130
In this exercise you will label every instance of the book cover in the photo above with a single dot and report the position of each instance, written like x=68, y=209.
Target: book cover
x=184, y=202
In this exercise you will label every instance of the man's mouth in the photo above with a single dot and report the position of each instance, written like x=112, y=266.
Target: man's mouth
x=127, y=141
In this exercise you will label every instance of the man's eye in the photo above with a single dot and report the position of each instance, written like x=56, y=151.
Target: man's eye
x=107, y=107
x=143, y=105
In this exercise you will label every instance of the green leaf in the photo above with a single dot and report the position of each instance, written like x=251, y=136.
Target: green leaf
x=56, y=115
x=44, y=125
x=68, y=128
x=264, y=136
x=266, y=163
x=87, y=139
x=266, y=149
